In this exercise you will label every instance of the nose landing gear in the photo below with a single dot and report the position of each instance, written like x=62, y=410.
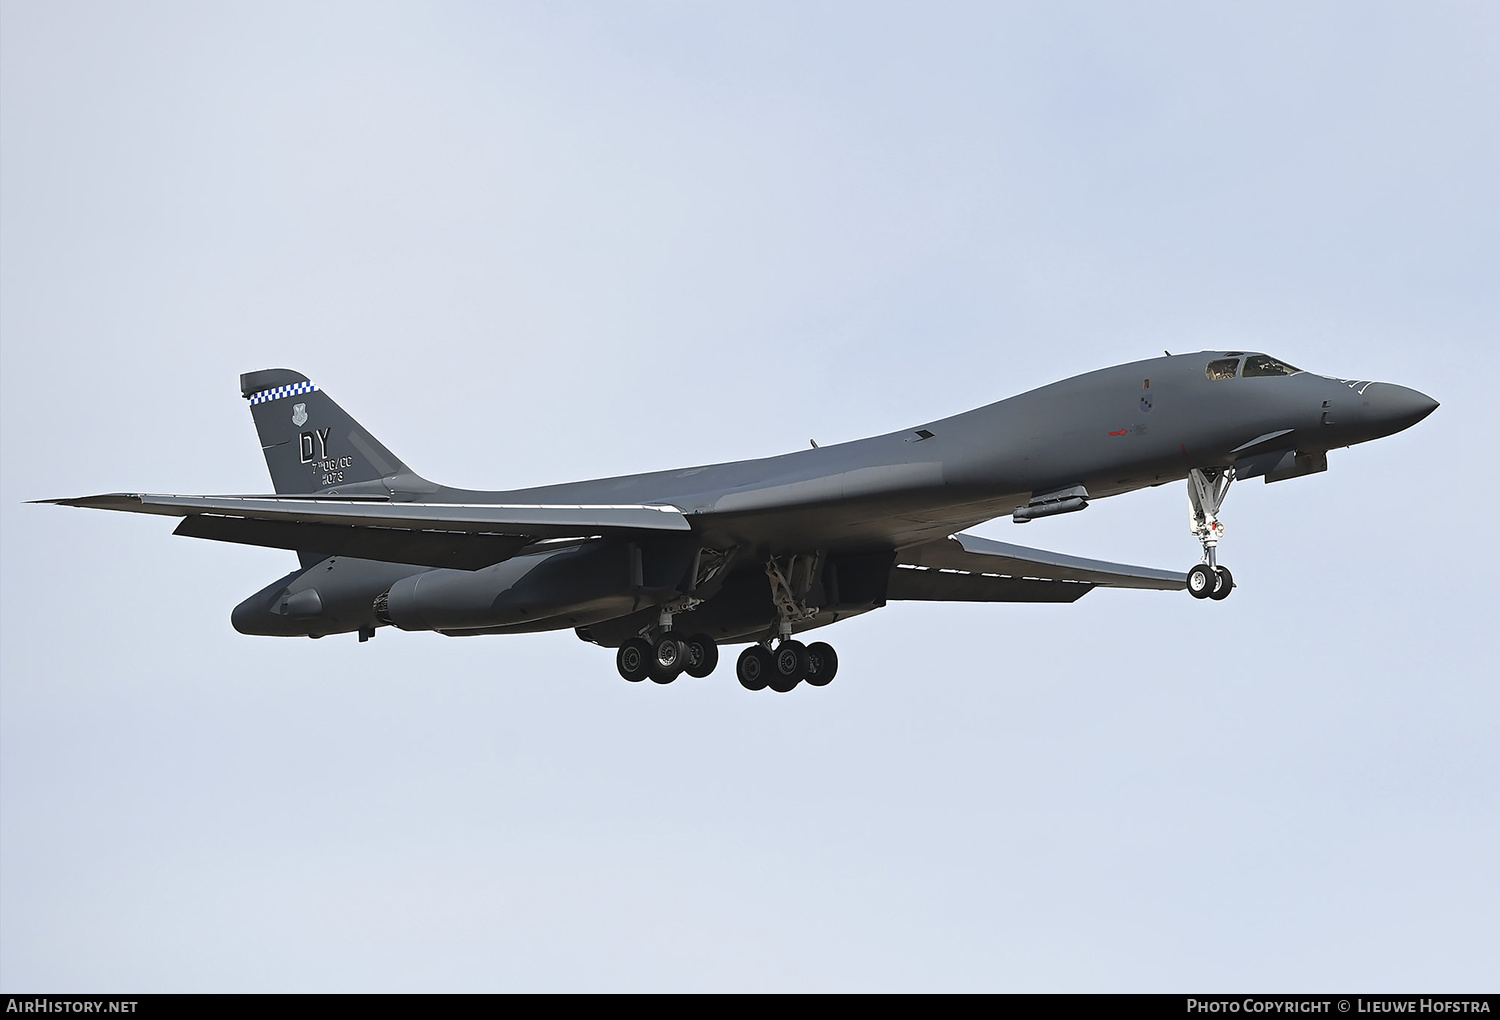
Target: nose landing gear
x=1207, y=488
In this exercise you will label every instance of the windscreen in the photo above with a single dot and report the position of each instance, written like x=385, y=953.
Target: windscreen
x=1259, y=364
x=1223, y=368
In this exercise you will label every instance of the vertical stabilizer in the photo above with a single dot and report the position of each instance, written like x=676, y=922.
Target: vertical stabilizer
x=312, y=445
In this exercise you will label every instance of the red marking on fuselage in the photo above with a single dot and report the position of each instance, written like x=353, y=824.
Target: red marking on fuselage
x=1185, y=455
x=1120, y=433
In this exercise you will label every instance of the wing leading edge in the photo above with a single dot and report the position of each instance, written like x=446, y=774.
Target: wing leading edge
x=967, y=568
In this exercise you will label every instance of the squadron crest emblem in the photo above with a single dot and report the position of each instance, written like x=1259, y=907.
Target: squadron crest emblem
x=299, y=415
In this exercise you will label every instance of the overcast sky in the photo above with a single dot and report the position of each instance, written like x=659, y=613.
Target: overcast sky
x=534, y=242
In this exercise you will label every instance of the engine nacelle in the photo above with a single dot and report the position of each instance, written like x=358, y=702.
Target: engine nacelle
x=334, y=596
x=576, y=585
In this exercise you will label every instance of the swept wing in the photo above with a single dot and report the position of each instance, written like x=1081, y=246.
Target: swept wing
x=967, y=568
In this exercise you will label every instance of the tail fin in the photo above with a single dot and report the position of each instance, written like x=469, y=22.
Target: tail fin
x=313, y=446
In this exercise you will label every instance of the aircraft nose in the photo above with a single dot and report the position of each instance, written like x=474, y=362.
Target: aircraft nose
x=1392, y=408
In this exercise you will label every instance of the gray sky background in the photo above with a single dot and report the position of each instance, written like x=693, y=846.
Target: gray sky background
x=538, y=242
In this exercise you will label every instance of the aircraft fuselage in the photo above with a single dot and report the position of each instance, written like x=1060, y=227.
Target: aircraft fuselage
x=1112, y=431
x=1101, y=433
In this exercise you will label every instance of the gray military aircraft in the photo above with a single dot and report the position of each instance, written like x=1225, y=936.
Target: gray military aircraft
x=667, y=566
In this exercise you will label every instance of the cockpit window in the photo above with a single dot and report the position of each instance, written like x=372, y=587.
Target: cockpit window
x=1259, y=364
x=1223, y=368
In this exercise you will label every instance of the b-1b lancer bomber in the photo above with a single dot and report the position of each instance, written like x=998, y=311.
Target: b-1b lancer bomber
x=666, y=567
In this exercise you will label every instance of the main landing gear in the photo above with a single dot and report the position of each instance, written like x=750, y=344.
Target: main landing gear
x=1207, y=488
x=759, y=666
x=667, y=658
x=790, y=664
x=781, y=666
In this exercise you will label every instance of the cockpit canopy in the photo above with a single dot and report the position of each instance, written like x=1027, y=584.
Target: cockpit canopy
x=1248, y=366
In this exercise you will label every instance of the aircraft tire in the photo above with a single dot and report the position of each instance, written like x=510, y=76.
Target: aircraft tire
x=1224, y=587
x=1201, y=581
x=702, y=655
x=633, y=660
x=753, y=668
x=668, y=657
x=789, y=662
x=822, y=663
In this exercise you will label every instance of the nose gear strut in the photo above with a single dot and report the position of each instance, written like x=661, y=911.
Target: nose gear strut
x=1207, y=488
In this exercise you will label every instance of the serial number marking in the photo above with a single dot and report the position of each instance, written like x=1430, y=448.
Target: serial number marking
x=333, y=468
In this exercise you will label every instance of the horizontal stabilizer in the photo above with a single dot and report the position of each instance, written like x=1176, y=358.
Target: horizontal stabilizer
x=538, y=521
x=463, y=536
x=970, y=555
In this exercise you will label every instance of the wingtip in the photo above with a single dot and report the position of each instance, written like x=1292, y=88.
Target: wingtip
x=103, y=501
